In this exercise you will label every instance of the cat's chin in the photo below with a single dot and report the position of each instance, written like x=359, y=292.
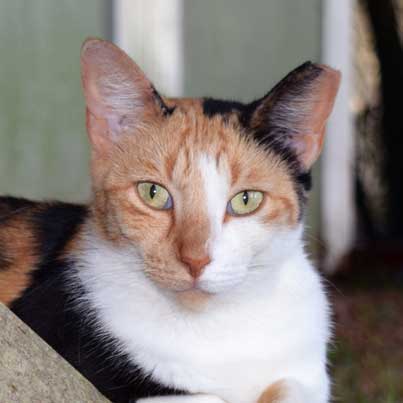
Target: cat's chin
x=193, y=299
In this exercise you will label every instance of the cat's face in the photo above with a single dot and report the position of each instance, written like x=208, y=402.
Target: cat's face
x=202, y=163
x=208, y=193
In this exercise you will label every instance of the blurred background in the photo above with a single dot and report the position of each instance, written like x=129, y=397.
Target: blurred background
x=239, y=50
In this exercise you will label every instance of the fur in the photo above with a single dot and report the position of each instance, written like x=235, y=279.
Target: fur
x=189, y=304
x=272, y=326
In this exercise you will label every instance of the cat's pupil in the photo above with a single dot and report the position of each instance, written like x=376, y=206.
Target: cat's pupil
x=153, y=191
x=245, y=198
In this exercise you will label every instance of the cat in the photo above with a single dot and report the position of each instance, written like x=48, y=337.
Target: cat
x=184, y=280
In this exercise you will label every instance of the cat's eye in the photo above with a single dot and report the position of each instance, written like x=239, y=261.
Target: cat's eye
x=154, y=195
x=245, y=202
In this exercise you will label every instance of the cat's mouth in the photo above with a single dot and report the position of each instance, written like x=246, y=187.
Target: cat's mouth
x=193, y=298
x=178, y=281
x=181, y=285
x=191, y=295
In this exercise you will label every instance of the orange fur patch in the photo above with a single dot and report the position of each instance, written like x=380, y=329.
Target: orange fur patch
x=167, y=151
x=194, y=300
x=273, y=394
x=17, y=245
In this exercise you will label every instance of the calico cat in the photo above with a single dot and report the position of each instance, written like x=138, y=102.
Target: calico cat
x=186, y=273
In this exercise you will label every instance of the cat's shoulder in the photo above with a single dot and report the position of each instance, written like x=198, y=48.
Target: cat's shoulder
x=32, y=233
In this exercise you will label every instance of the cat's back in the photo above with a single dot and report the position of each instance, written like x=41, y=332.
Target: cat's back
x=31, y=235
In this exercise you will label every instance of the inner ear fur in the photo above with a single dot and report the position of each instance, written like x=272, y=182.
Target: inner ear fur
x=119, y=97
x=294, y=113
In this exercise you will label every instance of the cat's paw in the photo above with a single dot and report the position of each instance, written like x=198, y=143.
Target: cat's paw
x=198, y=398
x=285, y=391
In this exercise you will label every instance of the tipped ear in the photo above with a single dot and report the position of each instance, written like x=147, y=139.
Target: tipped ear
x=118, y=95
x=294, y=113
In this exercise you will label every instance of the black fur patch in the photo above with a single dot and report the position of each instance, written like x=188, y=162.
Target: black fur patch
x=55, y=224
x=166, y=110
x=275, y=142
x=212, y=107
x=49, y=306
x=9, y=206
x=305, y=179
x=274, y=130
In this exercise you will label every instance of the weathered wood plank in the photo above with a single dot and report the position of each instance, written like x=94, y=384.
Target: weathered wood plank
x=32, y=372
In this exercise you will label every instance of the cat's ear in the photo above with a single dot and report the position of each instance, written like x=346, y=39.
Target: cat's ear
x=294, y=113
x=118, y=95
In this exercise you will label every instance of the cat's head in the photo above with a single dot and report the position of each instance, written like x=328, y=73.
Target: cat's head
x=207, y=192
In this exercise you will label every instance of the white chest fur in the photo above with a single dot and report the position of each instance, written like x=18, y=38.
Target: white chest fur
x=240, y=344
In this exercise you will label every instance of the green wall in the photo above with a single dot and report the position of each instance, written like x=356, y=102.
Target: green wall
x=43, y=145
x=232, y=49
x=239, y=49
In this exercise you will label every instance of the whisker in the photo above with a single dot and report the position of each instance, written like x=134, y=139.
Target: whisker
x=332, y=285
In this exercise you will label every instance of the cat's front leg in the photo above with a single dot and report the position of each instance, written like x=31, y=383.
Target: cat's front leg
x=198, y=398
x=288, y=391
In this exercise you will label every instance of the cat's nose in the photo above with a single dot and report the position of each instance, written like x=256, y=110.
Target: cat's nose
x=195, y=265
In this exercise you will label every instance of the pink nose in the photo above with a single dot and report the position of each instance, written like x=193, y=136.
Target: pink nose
x=195, y=265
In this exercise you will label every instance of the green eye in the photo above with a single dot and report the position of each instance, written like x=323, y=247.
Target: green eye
x=244, y=202
x=154, y=195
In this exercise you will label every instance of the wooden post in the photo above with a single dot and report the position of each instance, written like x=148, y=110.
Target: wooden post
x=32, y=372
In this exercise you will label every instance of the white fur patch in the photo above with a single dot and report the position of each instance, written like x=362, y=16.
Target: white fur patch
x=244, y=341
x=267, y=319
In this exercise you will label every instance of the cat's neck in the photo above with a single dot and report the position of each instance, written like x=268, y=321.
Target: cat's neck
x=109, y=270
